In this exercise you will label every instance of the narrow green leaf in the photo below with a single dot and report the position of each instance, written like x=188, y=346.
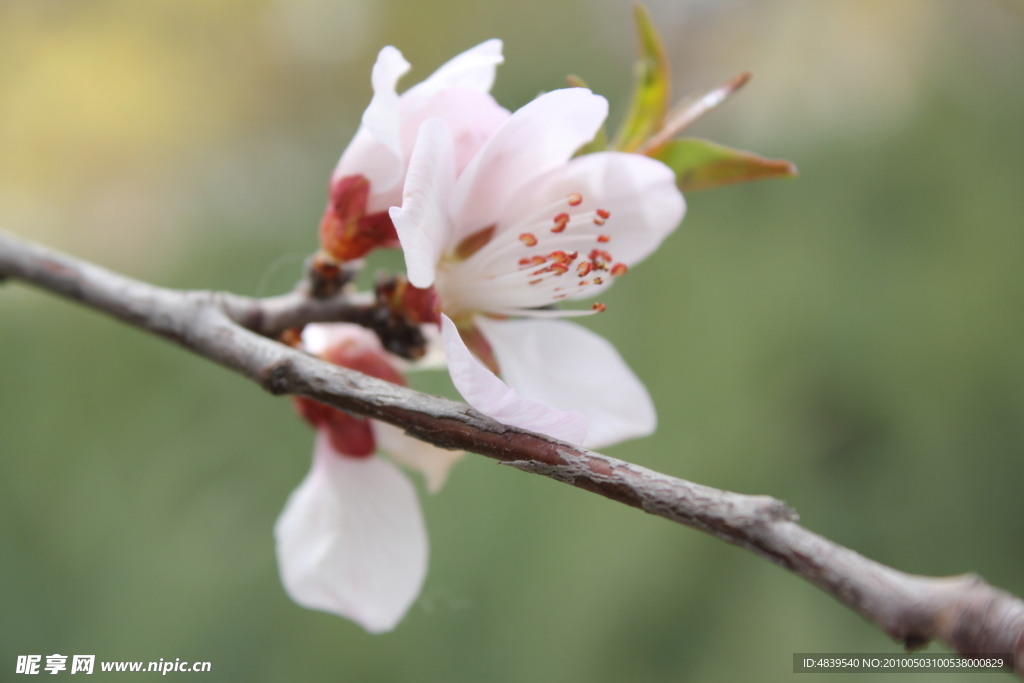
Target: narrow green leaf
x=701, y=164
x=651, y=93
x=600, y=141
x=691, y=109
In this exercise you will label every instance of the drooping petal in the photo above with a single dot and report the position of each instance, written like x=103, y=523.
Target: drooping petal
x=492, y=397
x=473, y=69
x=423, y=222
x=432, y=462
x=570, y=368
x=375, y=152
x=540, y=136
x=351, y=540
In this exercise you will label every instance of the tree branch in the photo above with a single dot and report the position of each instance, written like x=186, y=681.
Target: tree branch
x=964, y=612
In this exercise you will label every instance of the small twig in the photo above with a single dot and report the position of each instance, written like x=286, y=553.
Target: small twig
x=963, y=612
x=270, y=317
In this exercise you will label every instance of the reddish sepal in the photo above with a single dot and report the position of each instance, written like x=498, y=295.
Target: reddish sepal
x=347, y=232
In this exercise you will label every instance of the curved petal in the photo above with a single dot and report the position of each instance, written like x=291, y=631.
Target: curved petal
x=432, y=462
x=422, y=221
x=381, y=118
x=351, y=540
x=375, y=152
x=540, y=136
x=472, y=117
x=639, y=194
x=570, y=368
x=473, y=69
x=492, y=397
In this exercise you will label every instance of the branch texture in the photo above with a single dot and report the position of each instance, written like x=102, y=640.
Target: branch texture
x=964, y=612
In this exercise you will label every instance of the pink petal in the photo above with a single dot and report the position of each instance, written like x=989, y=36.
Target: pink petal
x=381, y=118
x=351, y=540
x=432, y=462
x=640, y=195
x=317, y=337
x=471, y=115
x=473, y=69
x=571, y=368
x=492, y=397
x=422, y=221
x=375, y=152
x=539, y=137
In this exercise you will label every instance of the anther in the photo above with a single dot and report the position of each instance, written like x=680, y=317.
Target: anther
x=598, y=281
x=583, y=268
x=575, y=199
x=619, y=269
x=599, y=307
x=528, y=239
x=604, y=239
x=533, y=282
x=603, y=213
x=598, y=221
x=559, y=268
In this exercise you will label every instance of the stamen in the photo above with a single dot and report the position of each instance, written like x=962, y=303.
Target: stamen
x=599, y=307
x=575, y=199
x=604, y=239
x=559, y=268
x=533, y=282
x=598, y=221
x=528, y=239
x=603, y=213
x=598, y=281
x=583, y=268
x=561, y=221
x=619, y=269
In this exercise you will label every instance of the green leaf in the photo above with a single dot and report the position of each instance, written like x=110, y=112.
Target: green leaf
x=650, y=96
x=701, y=164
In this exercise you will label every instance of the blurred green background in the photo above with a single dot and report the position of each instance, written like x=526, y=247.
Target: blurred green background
x=850, y=341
